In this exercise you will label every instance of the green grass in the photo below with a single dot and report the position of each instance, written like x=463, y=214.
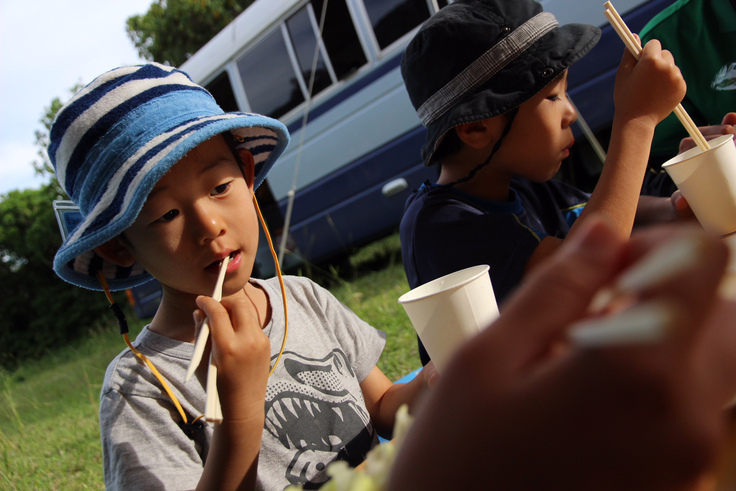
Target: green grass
x=49, y=437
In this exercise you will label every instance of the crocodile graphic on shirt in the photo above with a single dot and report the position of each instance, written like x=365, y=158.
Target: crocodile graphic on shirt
x=317, y=418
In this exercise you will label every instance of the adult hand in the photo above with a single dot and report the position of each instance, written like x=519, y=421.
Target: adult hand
x=513, y=411
x=727, y=127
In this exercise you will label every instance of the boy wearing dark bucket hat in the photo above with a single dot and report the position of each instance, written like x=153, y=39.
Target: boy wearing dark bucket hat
x=488, y=80
x=164, y=180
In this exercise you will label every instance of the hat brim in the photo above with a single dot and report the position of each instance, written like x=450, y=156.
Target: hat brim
x=518, y=82
x=76, y=261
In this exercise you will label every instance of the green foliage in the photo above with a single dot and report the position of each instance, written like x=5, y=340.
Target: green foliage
x=40, y=311
x=49, y=432
x=173, y=30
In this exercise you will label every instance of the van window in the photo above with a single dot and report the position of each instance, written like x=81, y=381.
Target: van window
x=271, y=84
x=343, y=46
x=268, y=77
x=222, y=91
x=391, y=19
x=305, y=42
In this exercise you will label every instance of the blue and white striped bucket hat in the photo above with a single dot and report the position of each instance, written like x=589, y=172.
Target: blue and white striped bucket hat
x=114, y=140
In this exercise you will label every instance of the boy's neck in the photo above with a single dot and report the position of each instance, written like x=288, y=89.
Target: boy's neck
x=174, y=318
x=489, y=183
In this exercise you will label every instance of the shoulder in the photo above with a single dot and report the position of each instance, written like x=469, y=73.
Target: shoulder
x=666, y=18
x=127, y=374
x=298, y=287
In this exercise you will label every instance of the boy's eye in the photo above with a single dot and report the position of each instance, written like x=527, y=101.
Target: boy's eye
x=220, y=189
x=554, y=97
x=168, y=216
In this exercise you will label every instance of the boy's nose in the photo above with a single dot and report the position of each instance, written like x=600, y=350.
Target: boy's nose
x=571, y=114
x=209, y=224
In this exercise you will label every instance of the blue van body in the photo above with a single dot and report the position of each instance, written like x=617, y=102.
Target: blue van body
x=354, y=155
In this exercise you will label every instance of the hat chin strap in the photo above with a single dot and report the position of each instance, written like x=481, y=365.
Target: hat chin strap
x=472, y=173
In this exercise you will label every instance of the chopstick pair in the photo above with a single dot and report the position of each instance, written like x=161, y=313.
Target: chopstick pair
x=212, y=409
x=634, y=47
x=624, y=322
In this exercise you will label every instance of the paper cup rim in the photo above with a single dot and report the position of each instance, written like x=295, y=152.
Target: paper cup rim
x=409, y=297
x=695, y=151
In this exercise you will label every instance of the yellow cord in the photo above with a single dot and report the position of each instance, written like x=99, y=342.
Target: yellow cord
x=140, y=355
x=150, y=365
x=281, y=282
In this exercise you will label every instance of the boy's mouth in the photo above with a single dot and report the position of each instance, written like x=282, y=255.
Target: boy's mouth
x=216, y=264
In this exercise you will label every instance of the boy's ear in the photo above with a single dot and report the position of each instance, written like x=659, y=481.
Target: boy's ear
x=115, y=251
x=478, y=134
x=248, y=166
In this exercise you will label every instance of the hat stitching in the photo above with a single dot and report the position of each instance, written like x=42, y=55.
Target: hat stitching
x=486, y=66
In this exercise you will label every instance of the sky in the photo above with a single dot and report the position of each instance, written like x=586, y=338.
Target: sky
x=46, y=47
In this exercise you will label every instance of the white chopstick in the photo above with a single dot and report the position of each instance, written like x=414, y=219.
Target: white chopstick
x=212, y=410
x=634, y=47
x=205, y=331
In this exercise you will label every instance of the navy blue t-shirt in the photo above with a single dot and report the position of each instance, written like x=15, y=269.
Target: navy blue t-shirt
x=444, y=230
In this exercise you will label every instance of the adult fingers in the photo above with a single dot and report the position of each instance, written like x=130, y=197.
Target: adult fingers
x=729, y=119
x=555, y=295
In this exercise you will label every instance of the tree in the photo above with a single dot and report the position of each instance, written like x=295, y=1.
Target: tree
x=40, y=311
x=173, y=30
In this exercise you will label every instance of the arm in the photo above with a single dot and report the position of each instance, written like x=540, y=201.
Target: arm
x=242, y=353
x=383, y=398
x=646, y=92
x=654, y=209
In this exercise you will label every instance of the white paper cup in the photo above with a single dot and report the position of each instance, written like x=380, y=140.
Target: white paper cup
x=708, y=182
x=450, y=310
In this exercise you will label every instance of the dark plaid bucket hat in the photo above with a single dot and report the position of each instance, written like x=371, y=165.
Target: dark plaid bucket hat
x=476, y=59
x=113, y=141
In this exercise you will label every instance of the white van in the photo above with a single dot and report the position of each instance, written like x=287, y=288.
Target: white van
x=354, y=154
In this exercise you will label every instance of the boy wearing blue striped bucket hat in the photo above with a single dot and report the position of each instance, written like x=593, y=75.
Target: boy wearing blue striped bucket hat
x=488, y=79
x=164, y=180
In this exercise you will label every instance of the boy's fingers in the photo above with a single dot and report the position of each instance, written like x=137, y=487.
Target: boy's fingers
x=215, y=312
x=241, y=310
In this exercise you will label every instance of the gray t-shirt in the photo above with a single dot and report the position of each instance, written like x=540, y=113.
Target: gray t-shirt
x=315, y=412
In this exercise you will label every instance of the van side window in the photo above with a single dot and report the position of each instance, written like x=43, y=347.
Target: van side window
x=391, y=19
x=222, y=91
x=346, y=53
x=276, y=72
x=304, y=41
x=268, y=77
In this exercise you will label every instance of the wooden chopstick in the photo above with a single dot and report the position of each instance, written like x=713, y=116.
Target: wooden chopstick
x=633, y=45
x=205, y=330
x=212, y=410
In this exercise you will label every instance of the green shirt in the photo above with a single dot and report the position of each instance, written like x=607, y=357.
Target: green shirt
x=701, y=35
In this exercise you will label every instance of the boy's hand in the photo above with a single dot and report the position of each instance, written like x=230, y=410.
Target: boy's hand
x=727, y=127
x=649, y=89
x=241, y=351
